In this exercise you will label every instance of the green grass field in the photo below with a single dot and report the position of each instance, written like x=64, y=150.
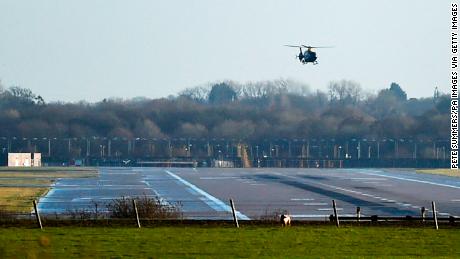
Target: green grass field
x=219, y=242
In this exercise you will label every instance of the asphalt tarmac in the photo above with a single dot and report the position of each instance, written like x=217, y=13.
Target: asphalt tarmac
x=204, y=193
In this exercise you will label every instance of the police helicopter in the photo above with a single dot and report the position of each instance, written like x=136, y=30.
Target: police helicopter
x=307, y=56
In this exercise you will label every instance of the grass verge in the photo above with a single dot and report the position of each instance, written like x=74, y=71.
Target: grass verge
x=448, y=172
x=19, y=186
x=218, y=242
x=19, y=199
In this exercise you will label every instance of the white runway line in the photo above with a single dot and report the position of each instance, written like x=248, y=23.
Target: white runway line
x=367, y=179
x=319, y=215
x=212, y=201
x=455, y=200
x=404, y=204
x=327, y=209
x=409, y=179
x=302, y=199
x=384, y=200
x=218, y=178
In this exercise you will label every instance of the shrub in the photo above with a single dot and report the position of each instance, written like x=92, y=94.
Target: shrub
x=147, y=207
x=273, y=216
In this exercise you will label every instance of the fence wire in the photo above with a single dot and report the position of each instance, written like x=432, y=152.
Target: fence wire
x=189, y=209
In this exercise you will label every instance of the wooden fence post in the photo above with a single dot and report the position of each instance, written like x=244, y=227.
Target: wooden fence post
x=335, y=213
x=37, y=215
x=435, y=217
x=235, y=219
x=137, y=214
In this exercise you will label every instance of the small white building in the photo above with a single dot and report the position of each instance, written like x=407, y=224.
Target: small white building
x=24, y=159
x=222, y=163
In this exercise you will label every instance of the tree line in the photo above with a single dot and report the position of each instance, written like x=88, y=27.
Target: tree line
x=251, y=112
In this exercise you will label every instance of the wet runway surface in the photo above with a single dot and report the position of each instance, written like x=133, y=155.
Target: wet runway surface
x=304, y=193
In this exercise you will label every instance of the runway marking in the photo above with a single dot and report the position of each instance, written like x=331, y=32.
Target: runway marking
x=319, y=215
x=455, y=200
x=302, y=199
x=360, y=193
x=309, y=216
x=212, y=201
x=157, y=195
x=326, y=209
x=218, y=178
x=409, y=179
x=367, y=179
x=93, y=199
x=257, y=184
x=315, y=204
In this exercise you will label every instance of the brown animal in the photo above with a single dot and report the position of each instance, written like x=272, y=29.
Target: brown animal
x=285, y=220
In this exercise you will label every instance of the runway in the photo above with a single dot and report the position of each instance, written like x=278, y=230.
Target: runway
x=203, y=193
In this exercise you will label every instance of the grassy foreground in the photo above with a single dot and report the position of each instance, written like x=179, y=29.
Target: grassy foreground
x=218, y=242
x=19, y=186
x=448, y=172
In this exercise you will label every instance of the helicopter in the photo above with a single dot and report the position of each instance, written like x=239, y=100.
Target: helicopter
x=307, y=56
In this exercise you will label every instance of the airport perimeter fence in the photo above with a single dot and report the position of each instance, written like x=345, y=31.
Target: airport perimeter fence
x=151, y=210
x=354, y=152
x=261, y=163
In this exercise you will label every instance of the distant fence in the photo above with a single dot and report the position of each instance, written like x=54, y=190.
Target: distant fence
x=266, y=162
x=354, y=152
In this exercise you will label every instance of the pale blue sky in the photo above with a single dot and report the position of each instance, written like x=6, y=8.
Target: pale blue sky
x=91, y=49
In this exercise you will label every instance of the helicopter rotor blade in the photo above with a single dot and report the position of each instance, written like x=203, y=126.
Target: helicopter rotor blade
x=293, y=46
x=317, y=47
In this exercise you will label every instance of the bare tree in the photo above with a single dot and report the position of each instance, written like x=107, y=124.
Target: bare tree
x=345, y=92
x=199, y=93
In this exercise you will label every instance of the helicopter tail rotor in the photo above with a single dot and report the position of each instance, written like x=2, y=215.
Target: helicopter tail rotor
x=300, y=56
